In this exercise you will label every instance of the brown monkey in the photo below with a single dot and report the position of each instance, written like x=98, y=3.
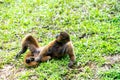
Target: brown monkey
x=31, y=43
x=57, y=49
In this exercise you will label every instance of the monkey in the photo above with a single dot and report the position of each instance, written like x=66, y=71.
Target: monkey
x=57, y=48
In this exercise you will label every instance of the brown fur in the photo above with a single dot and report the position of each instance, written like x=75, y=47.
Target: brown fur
x=56, y=49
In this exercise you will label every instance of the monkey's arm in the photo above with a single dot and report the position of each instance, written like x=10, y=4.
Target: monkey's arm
x=70, y=52
x=28, y=42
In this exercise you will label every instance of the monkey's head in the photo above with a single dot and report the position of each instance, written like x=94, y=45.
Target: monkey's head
x=63, y=37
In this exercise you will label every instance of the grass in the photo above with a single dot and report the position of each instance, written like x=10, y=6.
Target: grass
x=99, y=20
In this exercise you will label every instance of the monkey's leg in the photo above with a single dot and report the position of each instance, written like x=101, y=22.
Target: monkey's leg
x=28, y=41
x=23, y=50
x=33, y=48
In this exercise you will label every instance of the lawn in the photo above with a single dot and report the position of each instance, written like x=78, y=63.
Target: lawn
x=94, y=28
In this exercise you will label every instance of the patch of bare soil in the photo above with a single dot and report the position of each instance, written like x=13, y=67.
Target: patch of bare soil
x=9, y=72
x=110, y=60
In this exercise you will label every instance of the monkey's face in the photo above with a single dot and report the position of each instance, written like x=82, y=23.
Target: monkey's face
x=63, y=37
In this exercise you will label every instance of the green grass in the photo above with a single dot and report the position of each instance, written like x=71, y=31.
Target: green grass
x=98, y=19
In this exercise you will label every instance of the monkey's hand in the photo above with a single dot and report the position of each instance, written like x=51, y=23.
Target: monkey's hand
x=71, y=63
